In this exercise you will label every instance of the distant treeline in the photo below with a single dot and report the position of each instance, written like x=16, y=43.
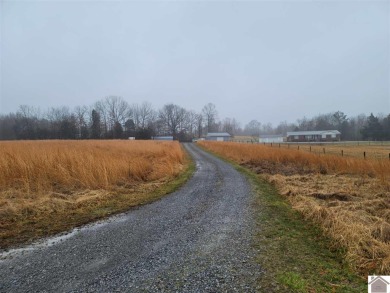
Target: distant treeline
x=114, y=118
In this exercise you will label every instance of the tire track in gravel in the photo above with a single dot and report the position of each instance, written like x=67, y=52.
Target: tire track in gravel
x=197, y=239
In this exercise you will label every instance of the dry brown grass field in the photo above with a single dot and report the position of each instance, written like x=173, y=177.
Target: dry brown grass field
x=348, y=197
x=50, y=186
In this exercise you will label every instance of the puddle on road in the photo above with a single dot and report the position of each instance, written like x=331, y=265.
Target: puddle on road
x=37, y=245
x=53, y=240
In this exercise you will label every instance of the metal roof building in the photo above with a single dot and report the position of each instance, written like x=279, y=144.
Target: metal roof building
x=268, y=138
x=320, y=135
x=162, y=137
x=218, y=136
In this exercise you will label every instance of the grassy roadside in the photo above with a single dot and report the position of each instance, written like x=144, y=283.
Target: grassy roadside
x=34, y=224
x=294, y=254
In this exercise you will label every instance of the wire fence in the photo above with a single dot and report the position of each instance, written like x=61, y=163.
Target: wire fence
x=359, y=149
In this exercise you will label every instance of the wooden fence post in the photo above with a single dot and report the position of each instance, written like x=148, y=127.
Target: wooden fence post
x=364, y=154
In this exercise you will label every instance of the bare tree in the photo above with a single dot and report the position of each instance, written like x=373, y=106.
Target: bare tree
x=56, y=114
x=305, y=124
x=103, y=116
x=191, y=122
x=142, y=115
x=266, y=129
x=323, y=122
x=29, y=112
x=253, y=128
x=117, y=109
x=284, y=127
x=63, y=123
x=359, y=122
x=111, y=110
x=172, y=117
x=210, y=113
x=199, y=125
x=26, y=122
x=81, y=114
x=230, y=125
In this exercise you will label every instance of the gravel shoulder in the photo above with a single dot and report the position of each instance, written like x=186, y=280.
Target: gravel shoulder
x=197, y=239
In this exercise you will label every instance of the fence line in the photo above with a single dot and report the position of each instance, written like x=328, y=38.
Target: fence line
x=311, y=147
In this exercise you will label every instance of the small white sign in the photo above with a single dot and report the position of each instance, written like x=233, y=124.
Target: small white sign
x=378, y=284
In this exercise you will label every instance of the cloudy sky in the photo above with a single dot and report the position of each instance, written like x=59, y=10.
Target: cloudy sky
x=267, y=60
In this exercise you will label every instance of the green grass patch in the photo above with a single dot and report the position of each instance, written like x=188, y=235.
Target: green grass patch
x=293, y=282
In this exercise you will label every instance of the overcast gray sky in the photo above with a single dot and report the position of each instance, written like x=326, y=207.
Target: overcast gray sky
x=266, y=60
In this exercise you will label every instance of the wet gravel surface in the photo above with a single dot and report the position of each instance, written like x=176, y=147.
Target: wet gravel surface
x=198, y=239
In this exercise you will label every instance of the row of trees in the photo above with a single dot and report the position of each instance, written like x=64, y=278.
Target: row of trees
x=113, y=117
x=360, y=127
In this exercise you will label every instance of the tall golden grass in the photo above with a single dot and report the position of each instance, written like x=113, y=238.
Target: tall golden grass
x=39, y=179
x=301, y=161
x=348, y=197
x=40, y=166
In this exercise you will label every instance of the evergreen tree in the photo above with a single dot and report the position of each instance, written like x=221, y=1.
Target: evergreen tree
x=117, y=130
x=129, y=128
x=68, y=128
x=95, y=128
x=373, y=129
x=386, y=127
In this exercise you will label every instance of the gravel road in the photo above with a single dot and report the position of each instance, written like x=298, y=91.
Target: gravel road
x=198, y=239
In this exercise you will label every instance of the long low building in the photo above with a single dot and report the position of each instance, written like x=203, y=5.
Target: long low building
x=162, y=137
x=218, y=136
x=271, y=138
x=314, y=136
